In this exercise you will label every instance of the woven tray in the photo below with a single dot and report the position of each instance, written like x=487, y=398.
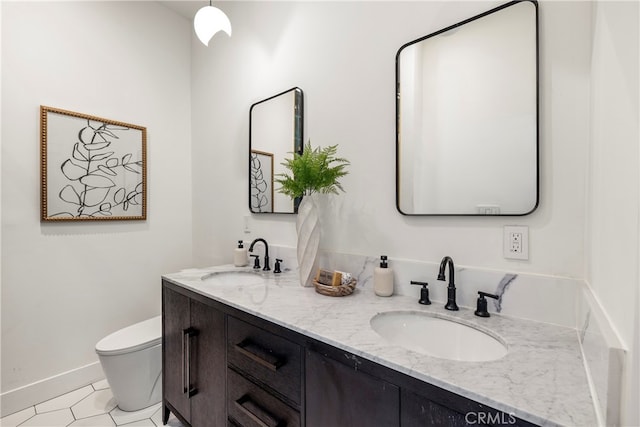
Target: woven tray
x=335, y=291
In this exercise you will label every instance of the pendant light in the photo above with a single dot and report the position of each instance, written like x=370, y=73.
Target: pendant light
x=208, y=21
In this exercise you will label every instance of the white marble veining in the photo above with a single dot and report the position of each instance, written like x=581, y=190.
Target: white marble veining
x=541, y=379
x=548, y=299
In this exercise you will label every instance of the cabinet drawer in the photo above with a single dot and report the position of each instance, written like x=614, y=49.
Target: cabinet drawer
x=268, y=359
x=250, y=406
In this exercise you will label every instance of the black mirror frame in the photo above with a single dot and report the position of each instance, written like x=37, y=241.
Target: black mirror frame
x=537, y=72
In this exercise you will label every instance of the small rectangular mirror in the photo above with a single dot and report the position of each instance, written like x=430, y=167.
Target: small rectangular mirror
x=467, y=116
x=275, y=131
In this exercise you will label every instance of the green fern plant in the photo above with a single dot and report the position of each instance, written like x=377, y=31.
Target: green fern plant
x=316, y=170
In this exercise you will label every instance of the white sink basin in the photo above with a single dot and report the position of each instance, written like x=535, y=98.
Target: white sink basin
x=437, y=337
x=234, y=277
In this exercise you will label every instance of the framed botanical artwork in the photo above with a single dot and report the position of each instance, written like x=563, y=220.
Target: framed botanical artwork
x=92, y=169
x=261, y=181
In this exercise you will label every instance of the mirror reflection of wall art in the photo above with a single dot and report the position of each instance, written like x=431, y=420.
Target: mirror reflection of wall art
x=275, y=129
x=261, y=181
x=91, y=168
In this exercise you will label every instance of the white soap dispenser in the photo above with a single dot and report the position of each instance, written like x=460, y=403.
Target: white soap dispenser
x=383, y=279
x=240, y=255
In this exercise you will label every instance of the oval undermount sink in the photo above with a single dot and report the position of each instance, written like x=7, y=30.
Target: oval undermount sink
x=434, y=336
x=235, y=277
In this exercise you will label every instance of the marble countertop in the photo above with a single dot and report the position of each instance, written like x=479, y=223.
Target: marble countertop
x=541, y=379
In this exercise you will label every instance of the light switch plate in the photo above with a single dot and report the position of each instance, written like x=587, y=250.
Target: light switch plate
x=516, y=242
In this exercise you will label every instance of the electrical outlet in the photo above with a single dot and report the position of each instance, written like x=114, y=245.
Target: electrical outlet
x=488, y=209
x=516, y=242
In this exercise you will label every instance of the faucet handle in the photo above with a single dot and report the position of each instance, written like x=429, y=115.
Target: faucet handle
x=276, y=267
x=256, y=261
x=424, y=292
x=481, y=308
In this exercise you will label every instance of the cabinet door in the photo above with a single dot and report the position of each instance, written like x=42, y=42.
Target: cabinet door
x=419, y=411
x=175, y=321
x=208, y=366
x=436, y=407
x=337, y=395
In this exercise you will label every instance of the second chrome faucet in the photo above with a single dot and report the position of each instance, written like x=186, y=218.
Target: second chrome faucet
x=451, y=288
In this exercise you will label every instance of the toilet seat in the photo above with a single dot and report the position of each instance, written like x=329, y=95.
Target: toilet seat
x=140, y=336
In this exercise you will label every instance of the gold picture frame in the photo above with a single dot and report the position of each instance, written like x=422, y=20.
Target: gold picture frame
x=91, y=168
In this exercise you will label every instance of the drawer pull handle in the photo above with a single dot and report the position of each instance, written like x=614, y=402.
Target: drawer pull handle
x=187, y=388
x=259, y=355
x=258, y=414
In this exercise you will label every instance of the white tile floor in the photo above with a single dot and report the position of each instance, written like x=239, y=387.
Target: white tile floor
x=92, y=405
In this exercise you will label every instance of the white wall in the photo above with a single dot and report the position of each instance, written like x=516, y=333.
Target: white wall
x=58, y=298
x=65, y=286
x=342, y=56
x=614, y=179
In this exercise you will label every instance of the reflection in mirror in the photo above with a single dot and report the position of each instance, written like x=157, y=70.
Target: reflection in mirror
x=467, y=117
x=275, y=131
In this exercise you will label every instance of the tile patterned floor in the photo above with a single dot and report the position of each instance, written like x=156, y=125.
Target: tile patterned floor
x=90, y=406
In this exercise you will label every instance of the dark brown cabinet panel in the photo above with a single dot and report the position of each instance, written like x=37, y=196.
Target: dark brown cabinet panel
x=193, y=361
x=418, y=411
x=425, y=405
x=337, y=395
x=208, y=404
x=175, y=320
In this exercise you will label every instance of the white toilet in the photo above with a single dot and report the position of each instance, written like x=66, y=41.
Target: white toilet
x=131, y=359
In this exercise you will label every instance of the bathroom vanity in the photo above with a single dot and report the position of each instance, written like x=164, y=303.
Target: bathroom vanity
x=257, y=349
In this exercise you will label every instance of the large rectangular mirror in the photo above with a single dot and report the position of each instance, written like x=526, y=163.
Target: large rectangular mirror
x=467, y=116
x=275, y=131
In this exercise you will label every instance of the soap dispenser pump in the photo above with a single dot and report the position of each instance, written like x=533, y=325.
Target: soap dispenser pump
x=383, y=278
x=240, y=258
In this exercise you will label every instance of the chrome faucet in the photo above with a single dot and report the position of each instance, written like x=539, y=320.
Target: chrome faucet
x=451, y=288
x=266, y=252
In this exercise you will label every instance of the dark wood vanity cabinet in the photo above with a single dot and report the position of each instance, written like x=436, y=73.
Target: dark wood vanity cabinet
x=222, y=366
x=193, y=360
x=219, y=369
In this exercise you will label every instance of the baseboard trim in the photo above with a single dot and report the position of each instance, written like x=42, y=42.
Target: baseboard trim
x=22, y=397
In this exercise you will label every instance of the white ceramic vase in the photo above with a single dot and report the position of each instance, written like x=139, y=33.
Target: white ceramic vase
x=308, y=229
